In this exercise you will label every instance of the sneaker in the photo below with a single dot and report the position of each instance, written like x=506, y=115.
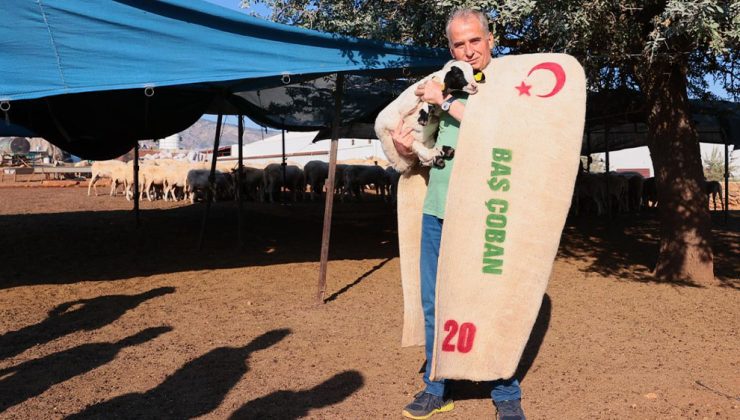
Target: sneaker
x=425, y=405
x=509, y=410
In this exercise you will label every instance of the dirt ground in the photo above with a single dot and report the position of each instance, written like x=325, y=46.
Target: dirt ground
x=99, y=319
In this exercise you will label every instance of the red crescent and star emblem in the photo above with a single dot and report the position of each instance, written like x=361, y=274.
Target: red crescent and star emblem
x=557, y=71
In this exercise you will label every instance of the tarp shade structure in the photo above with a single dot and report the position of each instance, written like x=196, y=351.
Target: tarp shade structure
x=623, y=112
x=303, y=106
x=75, y=72
x=621, y=116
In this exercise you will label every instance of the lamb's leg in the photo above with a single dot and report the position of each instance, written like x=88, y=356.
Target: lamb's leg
x=434, y=156
x=93, y=181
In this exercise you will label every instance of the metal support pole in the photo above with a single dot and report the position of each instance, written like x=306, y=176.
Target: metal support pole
x=211, y=180
x=727, y=180
x=330, y=182
x=239, y=180
x=284, y=166
x=136, y=184
x=608, y=195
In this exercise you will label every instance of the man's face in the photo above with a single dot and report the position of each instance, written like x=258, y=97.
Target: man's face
x=469, y=42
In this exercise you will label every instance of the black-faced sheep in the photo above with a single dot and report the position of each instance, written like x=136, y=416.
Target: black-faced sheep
x=421, y=118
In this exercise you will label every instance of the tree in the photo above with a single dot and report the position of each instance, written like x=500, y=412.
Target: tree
x=714, y=165
x=663, y=48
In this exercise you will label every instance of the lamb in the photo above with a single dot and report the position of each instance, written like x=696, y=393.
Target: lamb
x=417, y=115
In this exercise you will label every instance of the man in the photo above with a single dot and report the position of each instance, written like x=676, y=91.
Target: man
x=469, y=40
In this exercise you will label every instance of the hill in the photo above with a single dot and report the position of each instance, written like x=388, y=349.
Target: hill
x=200, y=135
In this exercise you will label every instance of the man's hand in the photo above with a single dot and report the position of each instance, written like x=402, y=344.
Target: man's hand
x=430, y=92
x=402, y=140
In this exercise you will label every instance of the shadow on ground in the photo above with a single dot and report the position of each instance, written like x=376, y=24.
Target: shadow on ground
x=288, y=405
x=32, y=378
x=194, y=390
x=627, y=247
x=61, y=248
x=74, y=316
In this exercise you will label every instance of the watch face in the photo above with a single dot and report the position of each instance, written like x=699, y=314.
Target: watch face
x=445, y=106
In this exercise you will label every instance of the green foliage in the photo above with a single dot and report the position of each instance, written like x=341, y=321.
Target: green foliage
x=714, y=165
x=614, y=39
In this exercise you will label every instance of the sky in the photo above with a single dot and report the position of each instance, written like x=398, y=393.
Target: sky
x=260, y=9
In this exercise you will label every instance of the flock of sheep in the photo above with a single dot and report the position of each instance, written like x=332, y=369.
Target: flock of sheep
x=172, y=179
x=627, y=192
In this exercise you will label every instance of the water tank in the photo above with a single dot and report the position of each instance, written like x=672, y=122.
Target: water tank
x=170, y=143
x=14, y=146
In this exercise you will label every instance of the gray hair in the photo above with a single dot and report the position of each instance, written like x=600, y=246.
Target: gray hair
x=467, y=13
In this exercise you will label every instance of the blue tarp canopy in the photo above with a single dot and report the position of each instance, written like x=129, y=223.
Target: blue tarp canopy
x=94, y=76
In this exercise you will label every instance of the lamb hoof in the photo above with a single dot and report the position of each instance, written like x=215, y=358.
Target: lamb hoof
x=438, y=162
x=448, y=152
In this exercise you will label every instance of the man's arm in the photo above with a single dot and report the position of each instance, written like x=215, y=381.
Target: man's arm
x=431, y=92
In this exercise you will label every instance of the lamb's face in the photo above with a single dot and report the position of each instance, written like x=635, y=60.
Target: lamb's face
x=459, y=76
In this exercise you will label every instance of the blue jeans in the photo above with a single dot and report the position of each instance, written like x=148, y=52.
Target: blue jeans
x=431, y=234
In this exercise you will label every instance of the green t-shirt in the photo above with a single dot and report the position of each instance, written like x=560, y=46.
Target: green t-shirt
x=436, y=197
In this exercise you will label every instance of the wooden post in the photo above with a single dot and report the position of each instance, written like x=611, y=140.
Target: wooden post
x=330, y=187
x=211, y=181
x=239, y=180
x=136, y=184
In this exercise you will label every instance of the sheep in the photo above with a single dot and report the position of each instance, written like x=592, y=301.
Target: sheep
x=272, y=180
x=316, y=173
x=457, y=76
x=618, y=191
x=153, y=177
x=339, y=178
x=197, y=182
x=251, y=179
x=636, y=183
x=590, y=190
x=175, y=177
x=650, y=193
x=102, y=169
x=713, y=189
x=393, y=176
x=357, y=176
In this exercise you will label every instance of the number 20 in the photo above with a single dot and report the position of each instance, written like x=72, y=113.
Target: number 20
x=464, y=339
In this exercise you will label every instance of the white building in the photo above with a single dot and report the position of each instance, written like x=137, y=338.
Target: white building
x=300, y=149
x=639, y=157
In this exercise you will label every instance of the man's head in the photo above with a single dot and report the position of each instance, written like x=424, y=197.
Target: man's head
x=469, y=37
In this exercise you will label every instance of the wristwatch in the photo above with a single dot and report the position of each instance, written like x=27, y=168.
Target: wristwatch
x=446, y=104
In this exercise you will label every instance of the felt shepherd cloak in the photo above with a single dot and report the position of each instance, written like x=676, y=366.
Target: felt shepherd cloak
x=510, y=190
